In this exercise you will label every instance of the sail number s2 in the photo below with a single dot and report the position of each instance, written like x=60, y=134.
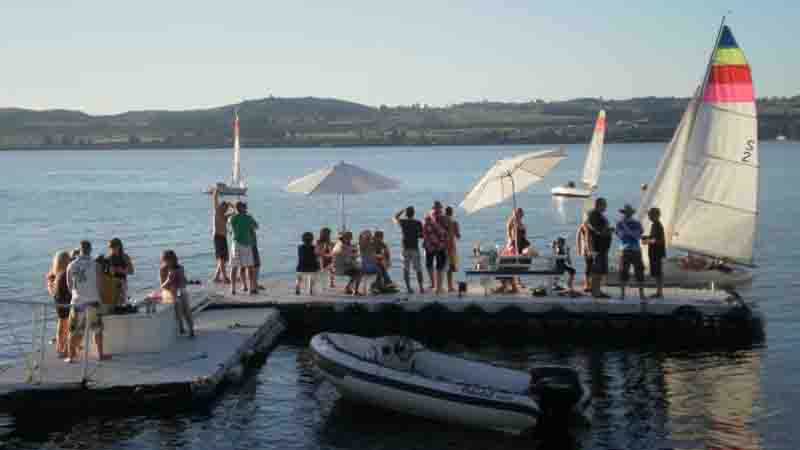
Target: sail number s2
x=749, y=149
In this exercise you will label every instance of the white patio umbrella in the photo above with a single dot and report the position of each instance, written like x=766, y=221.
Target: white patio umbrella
x=342, y=179
x=509, y=176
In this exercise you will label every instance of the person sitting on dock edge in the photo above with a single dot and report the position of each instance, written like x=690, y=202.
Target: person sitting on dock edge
x=84, y=281
x=411, y=230
x=307, y=263
x=656, y=250
x=629, y=230
x=600, y=236
x=563, y=264
x=243, y=229
x=219, y=231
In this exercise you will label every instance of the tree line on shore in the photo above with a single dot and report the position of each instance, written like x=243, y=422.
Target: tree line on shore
x=310, y=121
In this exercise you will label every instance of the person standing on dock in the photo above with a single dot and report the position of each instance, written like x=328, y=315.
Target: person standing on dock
x=656, y=250
x=600, y=234
x=453, y=235
x=435, y=235
x=85, y=282
x=411, y=230
x=629, y=230
x=584, y=248
x=243, y=228
x=173, y=290
x=219, y=232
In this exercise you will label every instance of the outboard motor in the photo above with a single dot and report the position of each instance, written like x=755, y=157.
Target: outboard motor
x=558, y=391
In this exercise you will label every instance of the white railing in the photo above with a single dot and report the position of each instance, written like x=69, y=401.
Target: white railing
x=42, y=313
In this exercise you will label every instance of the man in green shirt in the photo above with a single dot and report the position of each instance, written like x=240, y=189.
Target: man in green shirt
x=243, y=228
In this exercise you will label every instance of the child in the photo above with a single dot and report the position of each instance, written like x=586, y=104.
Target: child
x=307, y=262
x=325, y=251
x=173, y=290
x=563, y=263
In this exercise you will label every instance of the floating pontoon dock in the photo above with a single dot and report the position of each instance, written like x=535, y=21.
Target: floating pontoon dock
x=682, y=313
x=184, y=372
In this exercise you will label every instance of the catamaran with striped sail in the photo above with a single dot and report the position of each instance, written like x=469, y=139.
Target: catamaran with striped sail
x=706, y=185
x=591, y=168
x=237, y=186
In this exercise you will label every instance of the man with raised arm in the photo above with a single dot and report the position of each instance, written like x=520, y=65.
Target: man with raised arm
x=219, y=233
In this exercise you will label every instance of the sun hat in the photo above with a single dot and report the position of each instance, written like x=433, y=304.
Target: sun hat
x=628, y=210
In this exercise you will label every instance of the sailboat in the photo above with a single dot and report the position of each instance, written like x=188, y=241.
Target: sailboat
x=591, y=168
x=706, y=185
x=237, y=186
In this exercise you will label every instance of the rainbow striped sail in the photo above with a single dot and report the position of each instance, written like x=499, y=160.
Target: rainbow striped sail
x=707, y=181
x=729, y=79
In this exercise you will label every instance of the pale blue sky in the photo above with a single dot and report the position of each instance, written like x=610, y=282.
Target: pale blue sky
x=112, y=56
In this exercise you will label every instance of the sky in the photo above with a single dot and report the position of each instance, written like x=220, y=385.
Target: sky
x=110, y=56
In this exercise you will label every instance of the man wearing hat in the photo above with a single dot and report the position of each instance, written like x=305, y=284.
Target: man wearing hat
x=629, y=231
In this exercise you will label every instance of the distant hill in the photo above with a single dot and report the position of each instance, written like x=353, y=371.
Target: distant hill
x=310, y=121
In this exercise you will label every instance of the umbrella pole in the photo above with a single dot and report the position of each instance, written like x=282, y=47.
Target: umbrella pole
x=342, y=226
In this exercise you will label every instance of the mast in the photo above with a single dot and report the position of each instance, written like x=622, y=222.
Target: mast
x=236, y=178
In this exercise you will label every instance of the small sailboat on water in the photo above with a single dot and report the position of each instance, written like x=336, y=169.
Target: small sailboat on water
x=706, y=185
x=591, y=168
x=237, y=186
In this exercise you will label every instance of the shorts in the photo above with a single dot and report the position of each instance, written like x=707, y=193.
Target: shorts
x=600, y=263
x=439, y=257
x=369, y=266
x=221, y=247
x=256, y=257
x=411, y=259
x=589, y=260
x=452, y=261
x=62, y=309
x=656, y=266
x=77, y=321
x=562, y=266
x=631, y=258
x=242, y=255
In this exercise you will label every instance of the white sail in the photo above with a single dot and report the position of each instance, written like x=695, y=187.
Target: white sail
x=236, y=180
x=664, y=191
x=594, y=156
x=721, y=210
x=707, y=183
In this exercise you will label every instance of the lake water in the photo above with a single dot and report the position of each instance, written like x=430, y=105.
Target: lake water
x=643, y=398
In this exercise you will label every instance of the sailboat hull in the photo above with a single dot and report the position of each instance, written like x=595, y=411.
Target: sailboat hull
x=563, y=191
x=224, y=189
x=676, y=276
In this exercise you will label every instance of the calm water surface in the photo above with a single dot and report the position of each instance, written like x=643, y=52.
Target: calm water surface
x=643, y=398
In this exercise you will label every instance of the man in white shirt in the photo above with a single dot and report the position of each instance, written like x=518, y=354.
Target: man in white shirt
x=84, y=281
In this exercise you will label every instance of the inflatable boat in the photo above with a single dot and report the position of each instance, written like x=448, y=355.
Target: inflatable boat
x=400, y=374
